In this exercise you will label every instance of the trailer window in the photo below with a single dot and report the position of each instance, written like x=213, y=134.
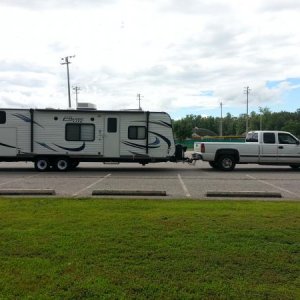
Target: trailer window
x=2, y=117
x=80, y=132
x=136, y=132
x=111, y=124
x=269, y=138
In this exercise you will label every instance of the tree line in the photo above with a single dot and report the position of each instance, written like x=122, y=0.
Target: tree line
x=236, y=126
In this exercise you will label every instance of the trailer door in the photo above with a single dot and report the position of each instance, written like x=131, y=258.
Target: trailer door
x=111, y=136
x=8, y=141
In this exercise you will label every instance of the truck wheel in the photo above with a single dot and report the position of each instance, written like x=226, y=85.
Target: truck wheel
x=295, y=166
x=62, y=164
x=213, y=164
x=42, y=164
x=226, y=163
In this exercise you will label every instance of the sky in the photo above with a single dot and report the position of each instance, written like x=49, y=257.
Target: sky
x=182, y=56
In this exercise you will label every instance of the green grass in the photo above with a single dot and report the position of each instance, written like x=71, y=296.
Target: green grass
x=120, y=249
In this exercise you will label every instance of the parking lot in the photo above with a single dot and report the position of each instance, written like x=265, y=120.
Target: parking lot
x=179, y=181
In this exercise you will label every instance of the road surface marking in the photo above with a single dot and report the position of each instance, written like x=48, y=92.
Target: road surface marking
x=19, y=179
x=89, y=186
x=272, y=185
x=187, y=194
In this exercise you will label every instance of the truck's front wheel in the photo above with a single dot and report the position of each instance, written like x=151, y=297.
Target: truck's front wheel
x=226, y=163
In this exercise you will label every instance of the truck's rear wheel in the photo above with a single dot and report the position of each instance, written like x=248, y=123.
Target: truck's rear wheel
x=226, y=163
x=62, y=164
x=42, y=164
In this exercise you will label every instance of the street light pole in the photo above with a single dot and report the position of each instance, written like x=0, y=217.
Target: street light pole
x=221, y=123
x=247, y=91
x=66, y=61
x=76, y=89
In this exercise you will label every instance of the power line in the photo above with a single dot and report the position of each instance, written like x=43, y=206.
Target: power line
x=66, y=61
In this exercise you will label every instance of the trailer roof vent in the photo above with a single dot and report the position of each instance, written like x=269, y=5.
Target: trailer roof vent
x=86, y=106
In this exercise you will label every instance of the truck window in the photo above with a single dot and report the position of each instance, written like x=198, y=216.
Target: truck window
x=252, y=137
x=269, y=138
x=285, y=138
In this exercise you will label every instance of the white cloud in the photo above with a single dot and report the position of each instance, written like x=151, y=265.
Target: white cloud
x=170, y=51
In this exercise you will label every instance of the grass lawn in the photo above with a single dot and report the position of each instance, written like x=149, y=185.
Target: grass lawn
x=120, y=249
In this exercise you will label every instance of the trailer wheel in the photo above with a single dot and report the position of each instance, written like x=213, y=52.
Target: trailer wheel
x=42, y=164
x=226, y=163
x=62, y=164
x=213, y=164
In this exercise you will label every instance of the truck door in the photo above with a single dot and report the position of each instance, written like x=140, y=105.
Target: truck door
x=111, y=138
x=269, y=148
x=288, y=148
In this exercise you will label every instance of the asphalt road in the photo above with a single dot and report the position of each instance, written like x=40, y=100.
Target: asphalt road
x=180, y=181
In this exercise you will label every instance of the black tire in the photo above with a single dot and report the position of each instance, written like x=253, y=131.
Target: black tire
x=295, y=166
x=213, y=164
x=42, y=164
x=226, y=163
x=62, y=164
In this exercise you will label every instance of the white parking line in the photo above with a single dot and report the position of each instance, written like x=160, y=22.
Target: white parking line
x=89, y=186
x=272, y=185
x=187, y=194
x=23, y=178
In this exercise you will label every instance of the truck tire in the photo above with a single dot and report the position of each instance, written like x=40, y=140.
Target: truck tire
x=62, y=164
x=213, y=164
x=226, y=162
x=295, y=166
x=42, y=164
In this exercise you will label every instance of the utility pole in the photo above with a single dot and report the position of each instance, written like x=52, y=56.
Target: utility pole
x=139, y=96
x=247, y=91
x=76, y=89
x=221, y=122
x=66, y=61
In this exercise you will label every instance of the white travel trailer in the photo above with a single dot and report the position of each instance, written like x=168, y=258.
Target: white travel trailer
x=60, y=139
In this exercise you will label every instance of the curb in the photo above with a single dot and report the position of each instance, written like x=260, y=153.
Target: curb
x=244, y=194
x=20, y=192
x=128, y=193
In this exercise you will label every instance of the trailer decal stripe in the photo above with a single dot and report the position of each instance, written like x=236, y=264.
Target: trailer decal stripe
x=162, y=123
x=46, y=146
x=8, y=146
x=163, y=137
x=26, y=119
x=139, y=146
x=71, y=149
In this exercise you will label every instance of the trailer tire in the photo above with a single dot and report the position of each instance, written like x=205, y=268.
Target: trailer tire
x=62, y=164
x=213, y=164
x=226, y=162
x=42, y=164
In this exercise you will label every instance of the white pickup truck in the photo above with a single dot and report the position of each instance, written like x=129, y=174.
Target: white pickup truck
x=260, y=147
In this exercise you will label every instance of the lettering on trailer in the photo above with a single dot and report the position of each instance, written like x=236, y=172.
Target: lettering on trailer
x=73, y=120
